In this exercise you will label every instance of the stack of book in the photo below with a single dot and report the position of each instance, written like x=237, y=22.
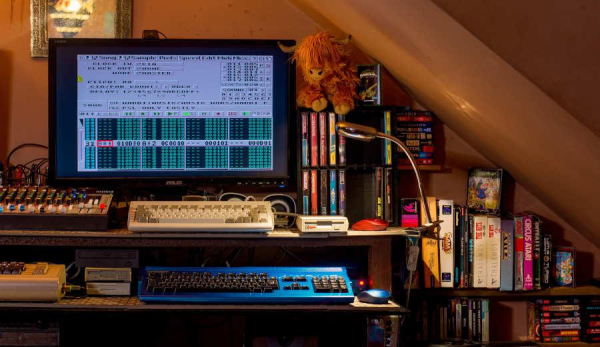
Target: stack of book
x=591, y=321
x=458, y=318
x=554, y=320
x=415, y=129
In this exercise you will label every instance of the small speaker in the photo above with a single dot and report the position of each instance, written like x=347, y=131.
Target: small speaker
x=282, y=203
x=232, y=197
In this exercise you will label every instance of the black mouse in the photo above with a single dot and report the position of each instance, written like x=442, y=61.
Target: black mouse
x=374, y=296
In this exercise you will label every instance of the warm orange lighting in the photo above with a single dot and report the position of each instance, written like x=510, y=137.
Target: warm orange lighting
x=361, y=283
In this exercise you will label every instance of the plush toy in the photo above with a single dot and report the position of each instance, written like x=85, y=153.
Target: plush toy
x=326, y=68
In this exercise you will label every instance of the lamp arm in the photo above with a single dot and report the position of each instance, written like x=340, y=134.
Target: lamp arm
x=415, y=169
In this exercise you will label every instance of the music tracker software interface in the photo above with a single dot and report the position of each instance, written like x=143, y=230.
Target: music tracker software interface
x=174, y=112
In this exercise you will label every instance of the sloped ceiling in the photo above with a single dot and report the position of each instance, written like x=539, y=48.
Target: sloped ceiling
x=485, y=100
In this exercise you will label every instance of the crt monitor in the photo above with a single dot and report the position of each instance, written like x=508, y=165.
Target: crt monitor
x=170, y=112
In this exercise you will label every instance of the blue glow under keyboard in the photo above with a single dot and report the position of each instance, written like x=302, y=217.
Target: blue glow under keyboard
x=247, y=285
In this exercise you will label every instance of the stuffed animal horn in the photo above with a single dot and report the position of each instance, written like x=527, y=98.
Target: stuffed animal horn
x=325, y=67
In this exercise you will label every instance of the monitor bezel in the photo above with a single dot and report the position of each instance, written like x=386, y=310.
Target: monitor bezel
x=287, y=182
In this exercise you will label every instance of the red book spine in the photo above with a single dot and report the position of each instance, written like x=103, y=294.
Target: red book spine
x=314, y=193
x=314, y=149
x=323, y=139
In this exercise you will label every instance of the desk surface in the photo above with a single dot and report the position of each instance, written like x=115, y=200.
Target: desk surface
x=125, y=238
x=133, y=304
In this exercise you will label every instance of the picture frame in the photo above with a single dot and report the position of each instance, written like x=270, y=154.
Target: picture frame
x=77, y=18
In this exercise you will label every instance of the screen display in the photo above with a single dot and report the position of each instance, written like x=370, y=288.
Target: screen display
x=176, y=109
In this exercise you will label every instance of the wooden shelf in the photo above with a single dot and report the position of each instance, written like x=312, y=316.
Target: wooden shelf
x=496, y=294
x=421, y=167
x=125, y=303
x=563, y=344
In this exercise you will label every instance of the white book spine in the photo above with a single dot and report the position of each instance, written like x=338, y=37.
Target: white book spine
x=479, y=252
x=446, y=216
x=493, y=252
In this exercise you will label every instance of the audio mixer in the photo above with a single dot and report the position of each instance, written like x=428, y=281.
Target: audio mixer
x=46, y=208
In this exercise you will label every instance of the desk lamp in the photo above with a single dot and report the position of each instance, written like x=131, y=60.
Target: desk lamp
x=365, y=133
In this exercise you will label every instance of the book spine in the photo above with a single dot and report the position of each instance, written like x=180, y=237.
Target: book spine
x=471, y=250
x=566, y=320
x=560, y=326
x=305, y=192
x=546, y=260
x=389, y=199
x=304, y=116
x=549, y=333
x=590, y=324
x=479, y=252
x=379, y=192
x=470, y=319
x=507, y=266
x=332, y=192
x=387, y=120
x=323, y=139
x=571, y=301
x=341, y=144
x=464, y=230
x=430, y=250
x=479, y=323
x=537, y=254
x=561, y=339
x=314, y=143
x=458, y=248
x=560, y=308
x=332, y=140
x=528, y=253
x=493, y=252
x=458, y=321
x=592, y=331
x=519, y=247
x=314, y=193
x=531, y=321
x=559, y=314
x=342, y=192
x=446, y=244
x=465, y=318
x=324, y=192
x=485, y=320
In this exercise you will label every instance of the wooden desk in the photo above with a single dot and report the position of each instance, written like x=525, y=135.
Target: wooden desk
x=378, y=242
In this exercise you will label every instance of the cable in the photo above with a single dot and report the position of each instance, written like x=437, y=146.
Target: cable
x=23, y=146
x=163, y=35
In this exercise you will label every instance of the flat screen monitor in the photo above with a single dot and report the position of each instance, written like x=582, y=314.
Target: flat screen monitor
x=171, y=112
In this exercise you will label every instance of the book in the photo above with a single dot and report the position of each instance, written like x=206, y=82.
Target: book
x=546, y=260
x=564, y=266
x=537, y=252
x=519, y=255
x=471, y=249
x=332, y=140
x=430, y=250
x=507, y=267
x=560, y=314
x=369, y=87
x=548, y=333
x=342, y=192
x=484, y=190
x=387, y=129
x=493, y=252
x=564, y=320
x=409, y=212
x=546, y=301
x=561, y=339
x=305, y=146
x=527, y=253
x=561, y=326
x=458, y=248
x=389, y=201
x=379, y=189
x=323, y=193
x=446, y=244
x=480, y=252
x=559, y=308
x=314, y=142
x=485, y=320
x=415, y=129
x=332, y=192
x=323, y=153
x=314, y=193
x=341, y=144
x=305, y=192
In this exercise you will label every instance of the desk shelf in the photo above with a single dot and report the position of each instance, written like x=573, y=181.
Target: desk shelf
x=524, y=295
x=132, y=303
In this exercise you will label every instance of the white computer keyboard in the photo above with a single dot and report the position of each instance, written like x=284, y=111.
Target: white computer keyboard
x=200, y=216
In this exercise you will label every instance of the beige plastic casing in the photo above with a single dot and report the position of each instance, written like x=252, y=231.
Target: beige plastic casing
x=34, y=287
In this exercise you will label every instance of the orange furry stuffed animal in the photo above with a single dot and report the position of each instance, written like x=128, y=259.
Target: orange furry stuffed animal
x=326, y=68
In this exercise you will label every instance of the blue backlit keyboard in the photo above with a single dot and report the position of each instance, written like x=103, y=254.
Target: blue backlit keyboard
x=247, y=285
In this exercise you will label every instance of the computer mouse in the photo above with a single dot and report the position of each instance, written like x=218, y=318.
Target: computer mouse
x=372, y=224
x=374, y=296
